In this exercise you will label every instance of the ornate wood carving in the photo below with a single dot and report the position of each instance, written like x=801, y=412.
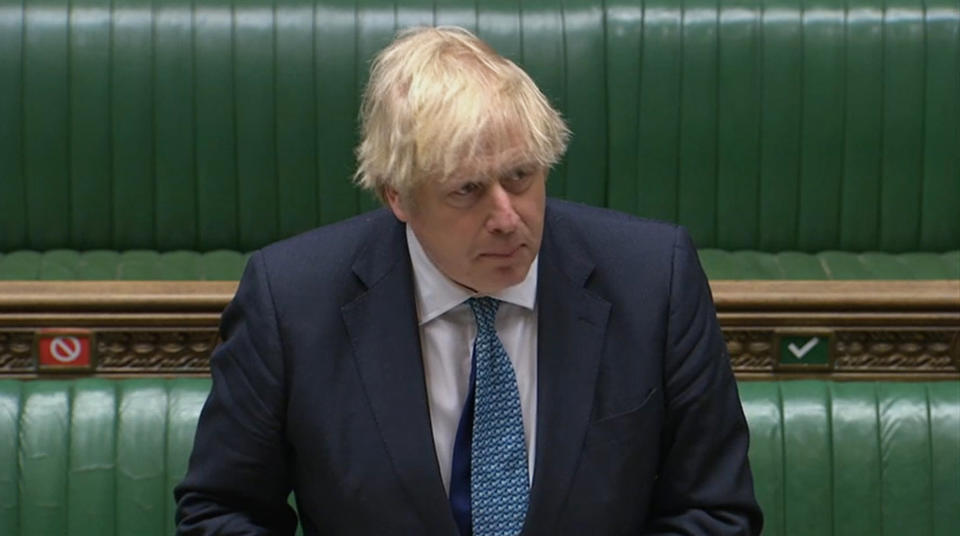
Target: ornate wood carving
x=750, y=350
x=880, y=328
x=166, y=351
x=955, y=350
x=16, y=351
x=889, y=350
x=155, y=351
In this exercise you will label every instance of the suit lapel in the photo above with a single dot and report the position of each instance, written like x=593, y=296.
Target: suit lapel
x=382, y=324
x=571, y=327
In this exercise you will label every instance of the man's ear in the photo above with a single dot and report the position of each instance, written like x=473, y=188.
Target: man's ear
x=396, y=204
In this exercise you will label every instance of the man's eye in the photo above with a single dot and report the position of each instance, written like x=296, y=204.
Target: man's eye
x=521, y=174
x=517, y=180
x=467, y=189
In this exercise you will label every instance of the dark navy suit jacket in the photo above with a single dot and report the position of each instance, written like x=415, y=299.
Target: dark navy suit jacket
x=319, y=387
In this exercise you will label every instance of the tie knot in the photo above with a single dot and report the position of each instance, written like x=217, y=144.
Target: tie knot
x=485, y=311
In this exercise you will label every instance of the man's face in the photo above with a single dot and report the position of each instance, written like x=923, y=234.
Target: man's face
x=481, y=227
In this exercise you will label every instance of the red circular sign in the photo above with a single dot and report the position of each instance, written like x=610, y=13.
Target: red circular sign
x=65, y=349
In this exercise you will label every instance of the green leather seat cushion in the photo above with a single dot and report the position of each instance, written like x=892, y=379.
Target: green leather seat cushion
x=64, y=264
x=96, y=456
x=839, y=265
x=855, y=457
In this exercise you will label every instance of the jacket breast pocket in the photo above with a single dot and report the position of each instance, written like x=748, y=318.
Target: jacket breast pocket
x=615, y=476
x=625, y=426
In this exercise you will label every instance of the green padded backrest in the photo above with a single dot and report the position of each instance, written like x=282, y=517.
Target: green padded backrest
x=58, y=264
x=136, y=265
x=102, y=456
x=773, y=125
x=855, y=458
x=94, y=456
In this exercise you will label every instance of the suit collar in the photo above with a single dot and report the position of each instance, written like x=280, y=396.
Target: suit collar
x=436, y=293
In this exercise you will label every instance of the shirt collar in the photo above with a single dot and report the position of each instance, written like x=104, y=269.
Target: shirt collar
x=436, y=293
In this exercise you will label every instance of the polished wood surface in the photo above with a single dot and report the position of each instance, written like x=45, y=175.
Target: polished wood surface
x=877, y=329
x=728, y=295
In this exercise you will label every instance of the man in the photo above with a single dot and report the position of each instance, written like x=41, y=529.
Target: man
x=474, y=359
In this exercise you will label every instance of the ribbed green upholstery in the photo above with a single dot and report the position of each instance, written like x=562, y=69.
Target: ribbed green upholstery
x=766, y=125
x=102, y=456
x=855, y=458
x=719, y=264
x=60, y=264
x=838, y=265
x=94, y=456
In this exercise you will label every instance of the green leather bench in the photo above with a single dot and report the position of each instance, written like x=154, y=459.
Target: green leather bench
x=165, y=139
x=140, y=265
x=102, y=456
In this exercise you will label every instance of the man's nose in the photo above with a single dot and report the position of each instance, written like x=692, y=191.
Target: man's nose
x=503, y=217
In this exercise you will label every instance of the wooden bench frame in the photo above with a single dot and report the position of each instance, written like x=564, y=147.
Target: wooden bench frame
x=877, y=329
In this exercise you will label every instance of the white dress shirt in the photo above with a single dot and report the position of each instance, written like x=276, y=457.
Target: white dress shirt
x=447, y=330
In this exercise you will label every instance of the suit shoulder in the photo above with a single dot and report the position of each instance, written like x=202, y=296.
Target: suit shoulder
x=334, y=242
x=611, y=229
x=320, y=262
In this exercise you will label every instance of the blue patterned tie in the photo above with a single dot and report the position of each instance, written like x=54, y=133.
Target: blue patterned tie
x=499, y=485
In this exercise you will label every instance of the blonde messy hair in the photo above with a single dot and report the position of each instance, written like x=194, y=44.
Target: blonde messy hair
x=439, y=99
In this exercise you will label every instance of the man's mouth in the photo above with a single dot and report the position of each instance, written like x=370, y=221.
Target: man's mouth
x=502, y=253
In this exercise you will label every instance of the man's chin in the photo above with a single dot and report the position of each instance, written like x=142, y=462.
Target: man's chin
x=501, y=278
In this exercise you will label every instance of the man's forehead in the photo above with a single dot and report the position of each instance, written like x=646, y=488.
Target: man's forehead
x=492, y=167
x=495, y=154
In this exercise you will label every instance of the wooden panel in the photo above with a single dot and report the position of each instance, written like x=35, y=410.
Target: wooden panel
x=877, y=329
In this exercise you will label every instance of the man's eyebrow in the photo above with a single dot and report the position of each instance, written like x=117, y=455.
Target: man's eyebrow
x=512, y=165
x=516, y=165
x=492, y=173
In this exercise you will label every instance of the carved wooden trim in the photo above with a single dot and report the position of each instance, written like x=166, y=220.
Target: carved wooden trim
x=750, y=350
x=160, y=351
x=878, y=329
x=862, y=351
x=895, y=350
x=16, y=351
x=858, y=352
x=848, y=376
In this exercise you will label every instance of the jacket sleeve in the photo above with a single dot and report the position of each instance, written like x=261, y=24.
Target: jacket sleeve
x=238, y=477
x=704, y=485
